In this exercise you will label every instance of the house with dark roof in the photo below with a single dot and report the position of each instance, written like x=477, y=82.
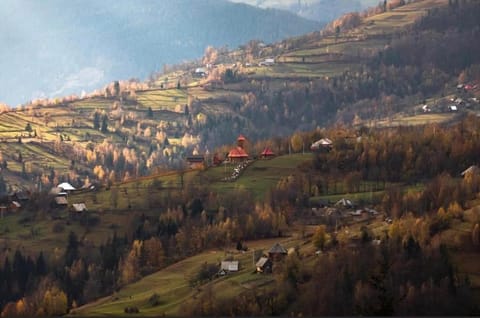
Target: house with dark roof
x=196, y=161
x=277, y=252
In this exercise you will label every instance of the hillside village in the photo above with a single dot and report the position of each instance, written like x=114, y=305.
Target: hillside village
x=327, y=174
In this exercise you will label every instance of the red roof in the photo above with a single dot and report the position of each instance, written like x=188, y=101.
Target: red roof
x=237, y=152
x=267, y=152
x=241, y=138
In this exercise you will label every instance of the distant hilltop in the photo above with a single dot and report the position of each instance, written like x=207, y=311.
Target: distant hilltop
x=55, y=49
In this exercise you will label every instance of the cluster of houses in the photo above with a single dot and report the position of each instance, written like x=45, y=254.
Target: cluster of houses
x=13, y=202
x=237, y=154
x=264, y=264
x=60, y=195
x=455, y=103
x=343, y=209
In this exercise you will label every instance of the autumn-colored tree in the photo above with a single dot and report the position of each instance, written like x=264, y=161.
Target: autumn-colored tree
x=55, y=302
x=319, y=238
x=296, y=142
x=476, y=235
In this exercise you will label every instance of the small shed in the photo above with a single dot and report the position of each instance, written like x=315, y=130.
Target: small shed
x=79, y=207
x=61, y=201
x=229, y=266
x=264, y=265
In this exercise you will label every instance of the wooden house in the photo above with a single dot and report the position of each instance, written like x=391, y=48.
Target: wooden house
x=264, y=265
x=277, y=252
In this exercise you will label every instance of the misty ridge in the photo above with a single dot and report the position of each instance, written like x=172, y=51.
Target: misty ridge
x=53, y=49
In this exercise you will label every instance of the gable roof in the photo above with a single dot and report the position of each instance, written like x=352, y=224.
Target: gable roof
x=241, y=138
x=324, y=142
x=472, y=169
x=237, y=152
x=267, y=152
x=262, y=262
x=66, y=186
x=277, y=249
x=16, y=204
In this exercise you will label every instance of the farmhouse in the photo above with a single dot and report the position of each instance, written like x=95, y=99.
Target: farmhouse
x=277, y=252
x=264, y=265
x=323, y=143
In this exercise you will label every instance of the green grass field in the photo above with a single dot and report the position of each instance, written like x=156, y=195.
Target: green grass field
x=257, y=178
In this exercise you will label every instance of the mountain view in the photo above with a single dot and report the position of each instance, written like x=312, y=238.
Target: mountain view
x=265, y=158
x=54, y=50
x=317, y=10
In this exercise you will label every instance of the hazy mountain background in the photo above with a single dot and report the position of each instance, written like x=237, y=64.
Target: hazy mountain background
x=54, y=47
x=318, y=10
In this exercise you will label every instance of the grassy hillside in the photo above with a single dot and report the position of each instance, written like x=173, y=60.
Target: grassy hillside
x=172, y=283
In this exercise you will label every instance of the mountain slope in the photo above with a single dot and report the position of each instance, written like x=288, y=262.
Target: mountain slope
x=55, y=49
x=318, y=10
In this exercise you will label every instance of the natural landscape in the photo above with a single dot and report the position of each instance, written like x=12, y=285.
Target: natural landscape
x=329, y=171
